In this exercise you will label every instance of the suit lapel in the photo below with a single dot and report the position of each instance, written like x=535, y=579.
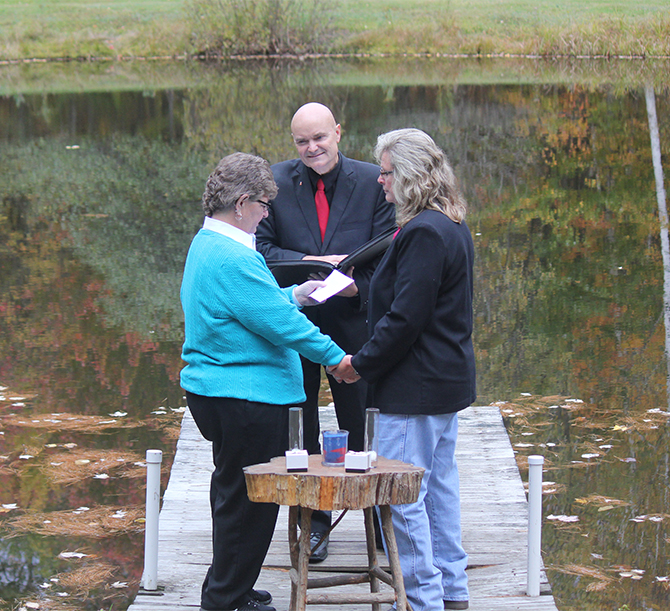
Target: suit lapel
x=346, y=182
x=305, y=198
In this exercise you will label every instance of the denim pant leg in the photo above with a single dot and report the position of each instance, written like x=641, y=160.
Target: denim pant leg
x=414, y=439
x=443, y=504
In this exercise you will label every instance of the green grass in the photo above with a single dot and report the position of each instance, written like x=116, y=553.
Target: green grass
x=78, y=28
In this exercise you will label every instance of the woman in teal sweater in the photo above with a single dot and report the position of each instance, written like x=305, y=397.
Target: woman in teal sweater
x=243, y=335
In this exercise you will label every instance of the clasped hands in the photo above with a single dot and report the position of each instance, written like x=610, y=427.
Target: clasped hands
x=344, y=372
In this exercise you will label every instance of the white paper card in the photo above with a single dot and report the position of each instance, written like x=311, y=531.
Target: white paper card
x=335, y=282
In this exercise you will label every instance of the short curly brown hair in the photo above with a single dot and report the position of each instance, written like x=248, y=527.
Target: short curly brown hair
x=236, y=175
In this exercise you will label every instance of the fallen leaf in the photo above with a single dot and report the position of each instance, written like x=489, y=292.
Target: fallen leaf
x=563, y=518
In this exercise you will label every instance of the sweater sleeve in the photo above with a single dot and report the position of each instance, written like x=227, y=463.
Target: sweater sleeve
x=256, y=301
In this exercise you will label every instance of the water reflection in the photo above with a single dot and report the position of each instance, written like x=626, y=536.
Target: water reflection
x=100, y=199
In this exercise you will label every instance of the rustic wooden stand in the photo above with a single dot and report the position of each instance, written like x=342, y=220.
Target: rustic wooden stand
x=391, y=482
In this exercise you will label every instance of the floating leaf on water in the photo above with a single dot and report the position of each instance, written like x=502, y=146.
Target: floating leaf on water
x=607, y=446
x=619, y=427
x=119, y=584
x=26, y=456
x=101, y=476
x=563, y=518
x=526, y=394
x=574, y=401
x=629, y=459
x=82, y=461
x=70, y=445
x=658, y=517
x=68, y=555
x=118, y=414
x=604, y=502
x=592, y=455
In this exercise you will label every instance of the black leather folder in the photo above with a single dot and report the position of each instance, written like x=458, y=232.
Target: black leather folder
x=297, y=271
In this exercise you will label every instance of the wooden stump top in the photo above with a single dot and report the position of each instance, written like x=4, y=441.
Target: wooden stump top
x=391, y=482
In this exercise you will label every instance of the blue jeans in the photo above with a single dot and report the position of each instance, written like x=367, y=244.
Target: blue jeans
x=428, y=532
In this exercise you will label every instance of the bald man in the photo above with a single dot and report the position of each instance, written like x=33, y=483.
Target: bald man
x=301, y=225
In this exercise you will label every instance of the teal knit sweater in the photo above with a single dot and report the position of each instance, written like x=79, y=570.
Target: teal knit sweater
x=242, y=332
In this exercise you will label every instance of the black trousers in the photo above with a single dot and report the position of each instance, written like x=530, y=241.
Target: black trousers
x=349, y=402
x=242, y=433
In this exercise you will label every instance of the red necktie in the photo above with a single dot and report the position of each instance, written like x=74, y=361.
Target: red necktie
x=322, y=208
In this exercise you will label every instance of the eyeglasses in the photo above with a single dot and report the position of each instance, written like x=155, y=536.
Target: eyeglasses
x=385, y=173
x=266, y=205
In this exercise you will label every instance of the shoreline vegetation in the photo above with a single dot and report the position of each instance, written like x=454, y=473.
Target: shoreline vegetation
x=79, y=30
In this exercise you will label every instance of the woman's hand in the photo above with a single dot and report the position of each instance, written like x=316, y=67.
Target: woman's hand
x=344, y=372
x=302, y=292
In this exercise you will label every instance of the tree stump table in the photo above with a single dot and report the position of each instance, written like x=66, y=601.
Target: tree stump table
x=390, y=482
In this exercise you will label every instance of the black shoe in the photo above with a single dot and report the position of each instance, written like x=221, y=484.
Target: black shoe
x=254, y=605
x=456, y=604
x=321, y=553
x=250, y=605
x=260, y=596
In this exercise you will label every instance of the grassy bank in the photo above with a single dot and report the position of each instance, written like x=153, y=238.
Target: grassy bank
x=132, y=28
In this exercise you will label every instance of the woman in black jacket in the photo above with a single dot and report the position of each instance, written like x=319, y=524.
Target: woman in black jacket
x=419, y=359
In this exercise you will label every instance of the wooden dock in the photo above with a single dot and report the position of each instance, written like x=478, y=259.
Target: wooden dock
x=494, y=519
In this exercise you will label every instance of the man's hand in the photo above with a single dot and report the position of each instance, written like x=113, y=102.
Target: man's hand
x=344, y=372
x=332, y=259
x=302, y=292
x=352, y=289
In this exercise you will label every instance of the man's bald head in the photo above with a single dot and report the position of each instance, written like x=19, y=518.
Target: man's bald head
x=316, y=136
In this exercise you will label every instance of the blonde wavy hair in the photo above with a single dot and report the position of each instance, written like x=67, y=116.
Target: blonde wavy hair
x=423, y=178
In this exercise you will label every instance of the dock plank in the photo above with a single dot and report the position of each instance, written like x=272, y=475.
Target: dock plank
x=494, y=519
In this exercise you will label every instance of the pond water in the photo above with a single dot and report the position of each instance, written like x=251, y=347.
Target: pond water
x=100, y=197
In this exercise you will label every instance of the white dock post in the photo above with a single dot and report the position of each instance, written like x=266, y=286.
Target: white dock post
x=534, y=523
x=150, y=574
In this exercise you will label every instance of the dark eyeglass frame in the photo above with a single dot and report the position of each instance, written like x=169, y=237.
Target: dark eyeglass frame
x=266, y=205
x=385, y=173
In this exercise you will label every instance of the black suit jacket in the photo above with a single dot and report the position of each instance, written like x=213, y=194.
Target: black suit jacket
x=420, y=359
x=358, y=212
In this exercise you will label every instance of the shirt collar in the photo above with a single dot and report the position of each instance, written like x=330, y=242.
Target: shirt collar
x=247, y=239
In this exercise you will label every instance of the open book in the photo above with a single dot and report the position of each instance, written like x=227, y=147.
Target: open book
x=297, y=271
